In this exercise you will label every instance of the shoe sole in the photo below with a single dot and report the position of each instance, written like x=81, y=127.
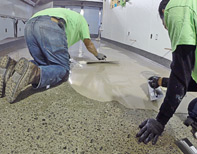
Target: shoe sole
x=4, y=63
x=12, y=88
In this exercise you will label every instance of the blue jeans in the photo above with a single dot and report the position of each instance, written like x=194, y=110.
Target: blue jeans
x=47, y=44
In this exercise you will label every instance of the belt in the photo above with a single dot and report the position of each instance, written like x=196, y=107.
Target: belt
x=61, y=22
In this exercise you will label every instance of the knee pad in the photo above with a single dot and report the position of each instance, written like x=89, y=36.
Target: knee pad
x=192, y=109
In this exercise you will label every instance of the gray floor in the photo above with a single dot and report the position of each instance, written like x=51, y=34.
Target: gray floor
x=96, y=112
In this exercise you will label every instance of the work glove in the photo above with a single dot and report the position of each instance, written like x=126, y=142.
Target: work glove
x=153, y=82
x=101, y=56
x=150, y=129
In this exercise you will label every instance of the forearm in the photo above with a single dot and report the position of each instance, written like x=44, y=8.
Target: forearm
x=192, y=87
x=90, y=47
x=164, y=82
x=180, y=77
x=174, y=95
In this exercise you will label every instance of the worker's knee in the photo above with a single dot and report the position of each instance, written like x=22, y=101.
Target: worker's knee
x=192, y=109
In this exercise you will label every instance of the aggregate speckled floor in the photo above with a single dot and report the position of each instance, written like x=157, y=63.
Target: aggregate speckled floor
x=59, y=120
x=62, y=121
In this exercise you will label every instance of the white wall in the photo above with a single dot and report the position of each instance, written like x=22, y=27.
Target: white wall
x=10, y=10
x=42, y=7
x=91, y=14
x=134, y=25
x=15, y=8
x=20, y=28
x=74, y=8
x=6, y=28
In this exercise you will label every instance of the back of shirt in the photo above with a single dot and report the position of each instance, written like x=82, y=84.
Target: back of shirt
x=181, y=22
x=182, y=3
x=76, y=26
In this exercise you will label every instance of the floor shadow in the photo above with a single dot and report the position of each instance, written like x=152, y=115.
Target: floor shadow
x=144, y=87
x=28, y=91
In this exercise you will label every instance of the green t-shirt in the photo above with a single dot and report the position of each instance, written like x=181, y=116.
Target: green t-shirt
x=76, y=26
x=181, y=21
x=180, y=18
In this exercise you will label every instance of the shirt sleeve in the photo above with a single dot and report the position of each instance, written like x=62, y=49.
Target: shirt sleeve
x=84, y=30
x=180, y=77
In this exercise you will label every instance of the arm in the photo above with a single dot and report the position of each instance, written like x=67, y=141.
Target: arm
x=181, y=68
x=91, y=48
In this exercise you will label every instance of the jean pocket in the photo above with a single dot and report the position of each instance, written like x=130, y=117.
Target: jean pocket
x=53, y=39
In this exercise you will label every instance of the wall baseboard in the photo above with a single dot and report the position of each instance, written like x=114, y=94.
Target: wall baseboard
x=163, y=61
x=93, y=35
x=11, y=45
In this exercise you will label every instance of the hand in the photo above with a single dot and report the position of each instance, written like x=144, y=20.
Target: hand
x=153, y=82
x=101, y=56
x=151, y=129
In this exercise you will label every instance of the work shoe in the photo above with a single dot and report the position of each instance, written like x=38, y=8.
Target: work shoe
x=7, y=65
x=192, y=117
x=25, y=73
x=193, y=123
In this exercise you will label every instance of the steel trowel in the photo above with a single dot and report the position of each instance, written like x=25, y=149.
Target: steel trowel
x=99, y=62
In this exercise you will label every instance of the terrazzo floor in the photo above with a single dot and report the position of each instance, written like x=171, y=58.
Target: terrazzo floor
x=73, y=118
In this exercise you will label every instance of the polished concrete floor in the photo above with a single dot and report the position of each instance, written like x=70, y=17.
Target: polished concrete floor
x=96, y=112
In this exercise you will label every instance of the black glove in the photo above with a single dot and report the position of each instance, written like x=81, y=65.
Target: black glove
x=101, y=56
x=153, y=82
x=151, y=129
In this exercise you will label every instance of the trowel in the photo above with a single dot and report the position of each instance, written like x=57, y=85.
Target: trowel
x=98, y=62
x=155, y=93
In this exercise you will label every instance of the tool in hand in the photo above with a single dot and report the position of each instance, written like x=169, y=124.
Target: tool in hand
x=154, y=93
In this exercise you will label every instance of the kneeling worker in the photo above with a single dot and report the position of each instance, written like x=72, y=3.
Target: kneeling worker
x=179, y=18
x=48, y=34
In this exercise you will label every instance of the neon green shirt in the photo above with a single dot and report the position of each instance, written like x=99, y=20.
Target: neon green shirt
x=76, y=26
x=183, y=12
x=181, y=21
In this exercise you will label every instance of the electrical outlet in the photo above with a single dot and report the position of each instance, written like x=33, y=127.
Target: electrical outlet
x=156, y=37
x=151, y=36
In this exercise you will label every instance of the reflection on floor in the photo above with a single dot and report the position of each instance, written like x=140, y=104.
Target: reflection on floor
x=97, y=112
x=125, y=82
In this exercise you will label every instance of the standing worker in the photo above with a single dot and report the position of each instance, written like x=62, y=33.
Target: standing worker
x=180, y=19
x=48, y=34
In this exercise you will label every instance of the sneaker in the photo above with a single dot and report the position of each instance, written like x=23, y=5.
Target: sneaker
x=193, y=123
